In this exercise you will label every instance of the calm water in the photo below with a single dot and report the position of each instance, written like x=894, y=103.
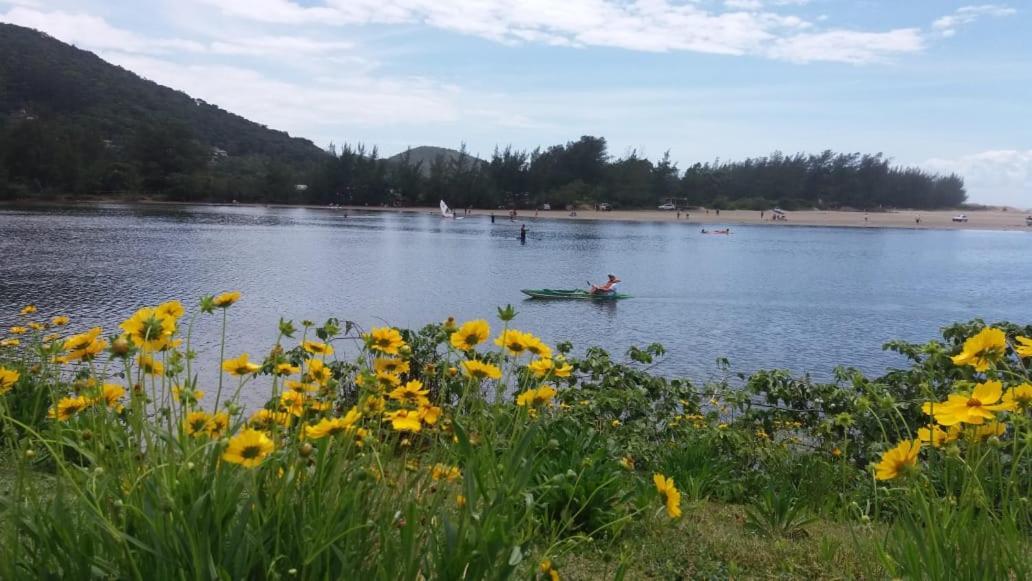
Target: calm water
x=806, y=299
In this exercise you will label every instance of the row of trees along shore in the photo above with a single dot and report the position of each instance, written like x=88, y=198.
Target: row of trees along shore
x=169, y=162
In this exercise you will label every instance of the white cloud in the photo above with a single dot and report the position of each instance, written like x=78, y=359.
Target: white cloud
x=750, y=27
x=947, y=25
x=1002, y=176
x=91, y=31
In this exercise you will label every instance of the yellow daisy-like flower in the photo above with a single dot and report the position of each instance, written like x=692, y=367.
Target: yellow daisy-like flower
x=537, y=347
x=300, y=386
x=404, y=420
x=265, y=418
x=249, y=448
x=332, y=427
x=984, y=432
x=60, y=321
x=936, y=437
x=1019, y=397
x=317, y=348
x=515, y=342
x=68, y=407
x=444, y=472
x=898, y=460
x=562, y=368
x=150, y=329
x=386, y=380
x=8, y=377
x=480, y=371
x=36, y=326
x=412, y=393
x=545, y=567
x=373, y=404
x=173, y=309
x=240, y=366
x=470, y=334
x=217, y=424
x=429, y=414
x=536, y=397
x=86, y=353
x=541, y=367
x=670, y=494
x=1024, y=346
x=12, y=342
x=285, y=369
x=196, y=423
x=149, y=365
x=225, y=300
x=981, y=405
x=293, y=402
x=386, y=340
x=982, y=349
x=18, y=330
x=318, y=372
x=111, y=394
x=28, y=310
x=391, y=365
x=626, y=462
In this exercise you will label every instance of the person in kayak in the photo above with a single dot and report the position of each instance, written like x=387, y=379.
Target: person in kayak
x=608, y=288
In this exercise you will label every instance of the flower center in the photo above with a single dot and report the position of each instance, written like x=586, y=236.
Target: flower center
x=250, y=452
x=974, y=403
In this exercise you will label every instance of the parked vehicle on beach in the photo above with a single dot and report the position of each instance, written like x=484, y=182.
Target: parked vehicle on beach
x=668, y=207
x=960, y=218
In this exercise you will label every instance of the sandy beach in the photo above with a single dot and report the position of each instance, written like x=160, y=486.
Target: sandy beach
x=939, y=219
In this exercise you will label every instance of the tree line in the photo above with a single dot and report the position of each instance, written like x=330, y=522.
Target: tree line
x=41, y=157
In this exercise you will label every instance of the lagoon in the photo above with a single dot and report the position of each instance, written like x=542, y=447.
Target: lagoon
x=802, y=298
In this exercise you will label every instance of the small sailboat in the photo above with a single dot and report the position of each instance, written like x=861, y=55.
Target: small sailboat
x=447, y=212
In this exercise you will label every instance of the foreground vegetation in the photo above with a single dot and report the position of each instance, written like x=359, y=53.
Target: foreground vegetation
x=458, y=452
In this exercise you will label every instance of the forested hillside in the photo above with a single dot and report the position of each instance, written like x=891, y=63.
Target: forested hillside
x=73, y=124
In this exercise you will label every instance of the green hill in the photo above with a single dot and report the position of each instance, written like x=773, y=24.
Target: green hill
x=72, y=123
x=426, y=155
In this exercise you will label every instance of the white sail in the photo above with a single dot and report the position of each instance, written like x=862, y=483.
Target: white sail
x=445, y=211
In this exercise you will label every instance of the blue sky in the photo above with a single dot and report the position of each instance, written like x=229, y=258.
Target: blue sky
x=937, y=83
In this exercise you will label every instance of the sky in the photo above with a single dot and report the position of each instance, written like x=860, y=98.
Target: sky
x=945, y=85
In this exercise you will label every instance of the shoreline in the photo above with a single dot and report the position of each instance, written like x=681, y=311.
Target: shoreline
x=993, y=220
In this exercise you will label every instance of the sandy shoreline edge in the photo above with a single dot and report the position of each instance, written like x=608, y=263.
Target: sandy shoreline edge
x=1010, y=220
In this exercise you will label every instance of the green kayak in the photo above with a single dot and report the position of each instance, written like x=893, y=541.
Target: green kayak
x=547, y=293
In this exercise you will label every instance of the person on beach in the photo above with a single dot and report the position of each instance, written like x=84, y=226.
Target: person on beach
x=761, y=214
x=523, y=233
x=608, y=287
x=492, y=217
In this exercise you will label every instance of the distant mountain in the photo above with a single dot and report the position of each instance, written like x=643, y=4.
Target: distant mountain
x=428, y=154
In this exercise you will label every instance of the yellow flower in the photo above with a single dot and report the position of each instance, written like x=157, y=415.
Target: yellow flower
x=982, y=349
x=12, y=342
x=149, y=365
x=76, y=349
x=470, y=334
x=547, y=568
x=240, y=366
x=18, y=330
x=284, y=369
x=479, y=370
x=249, y=448
x=1024, y=349
x=224, y=300
x=460, y=501
x=195, y=423
x=537, y=347
x=970, y=409
x=28, y=309
x=318, y=372
x=112, y=394
x=35, y=326
x=300, y=386
x=412, y=393
x=535, y=397
x=1019, y=397
x=429, y=414
x=936, y=437
x=317, y=348
x=82, y=340
x=987, y=431
x=898, y=460
x=514, y=341
x=150, y=329
x=445, y=472
x=541, y=367
x=173, y=309
x=391, y=365
x=671, y=495
x=404, y=420
x=217, y=424
x=387, y=380
x=265, y=418
x=332, y=427
x=563, y=369
x=60, y=321
x=8, y=377
x=292, y=402
x=67, y=407
x=385, y=340
x=373, y=404
x=627, y=462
